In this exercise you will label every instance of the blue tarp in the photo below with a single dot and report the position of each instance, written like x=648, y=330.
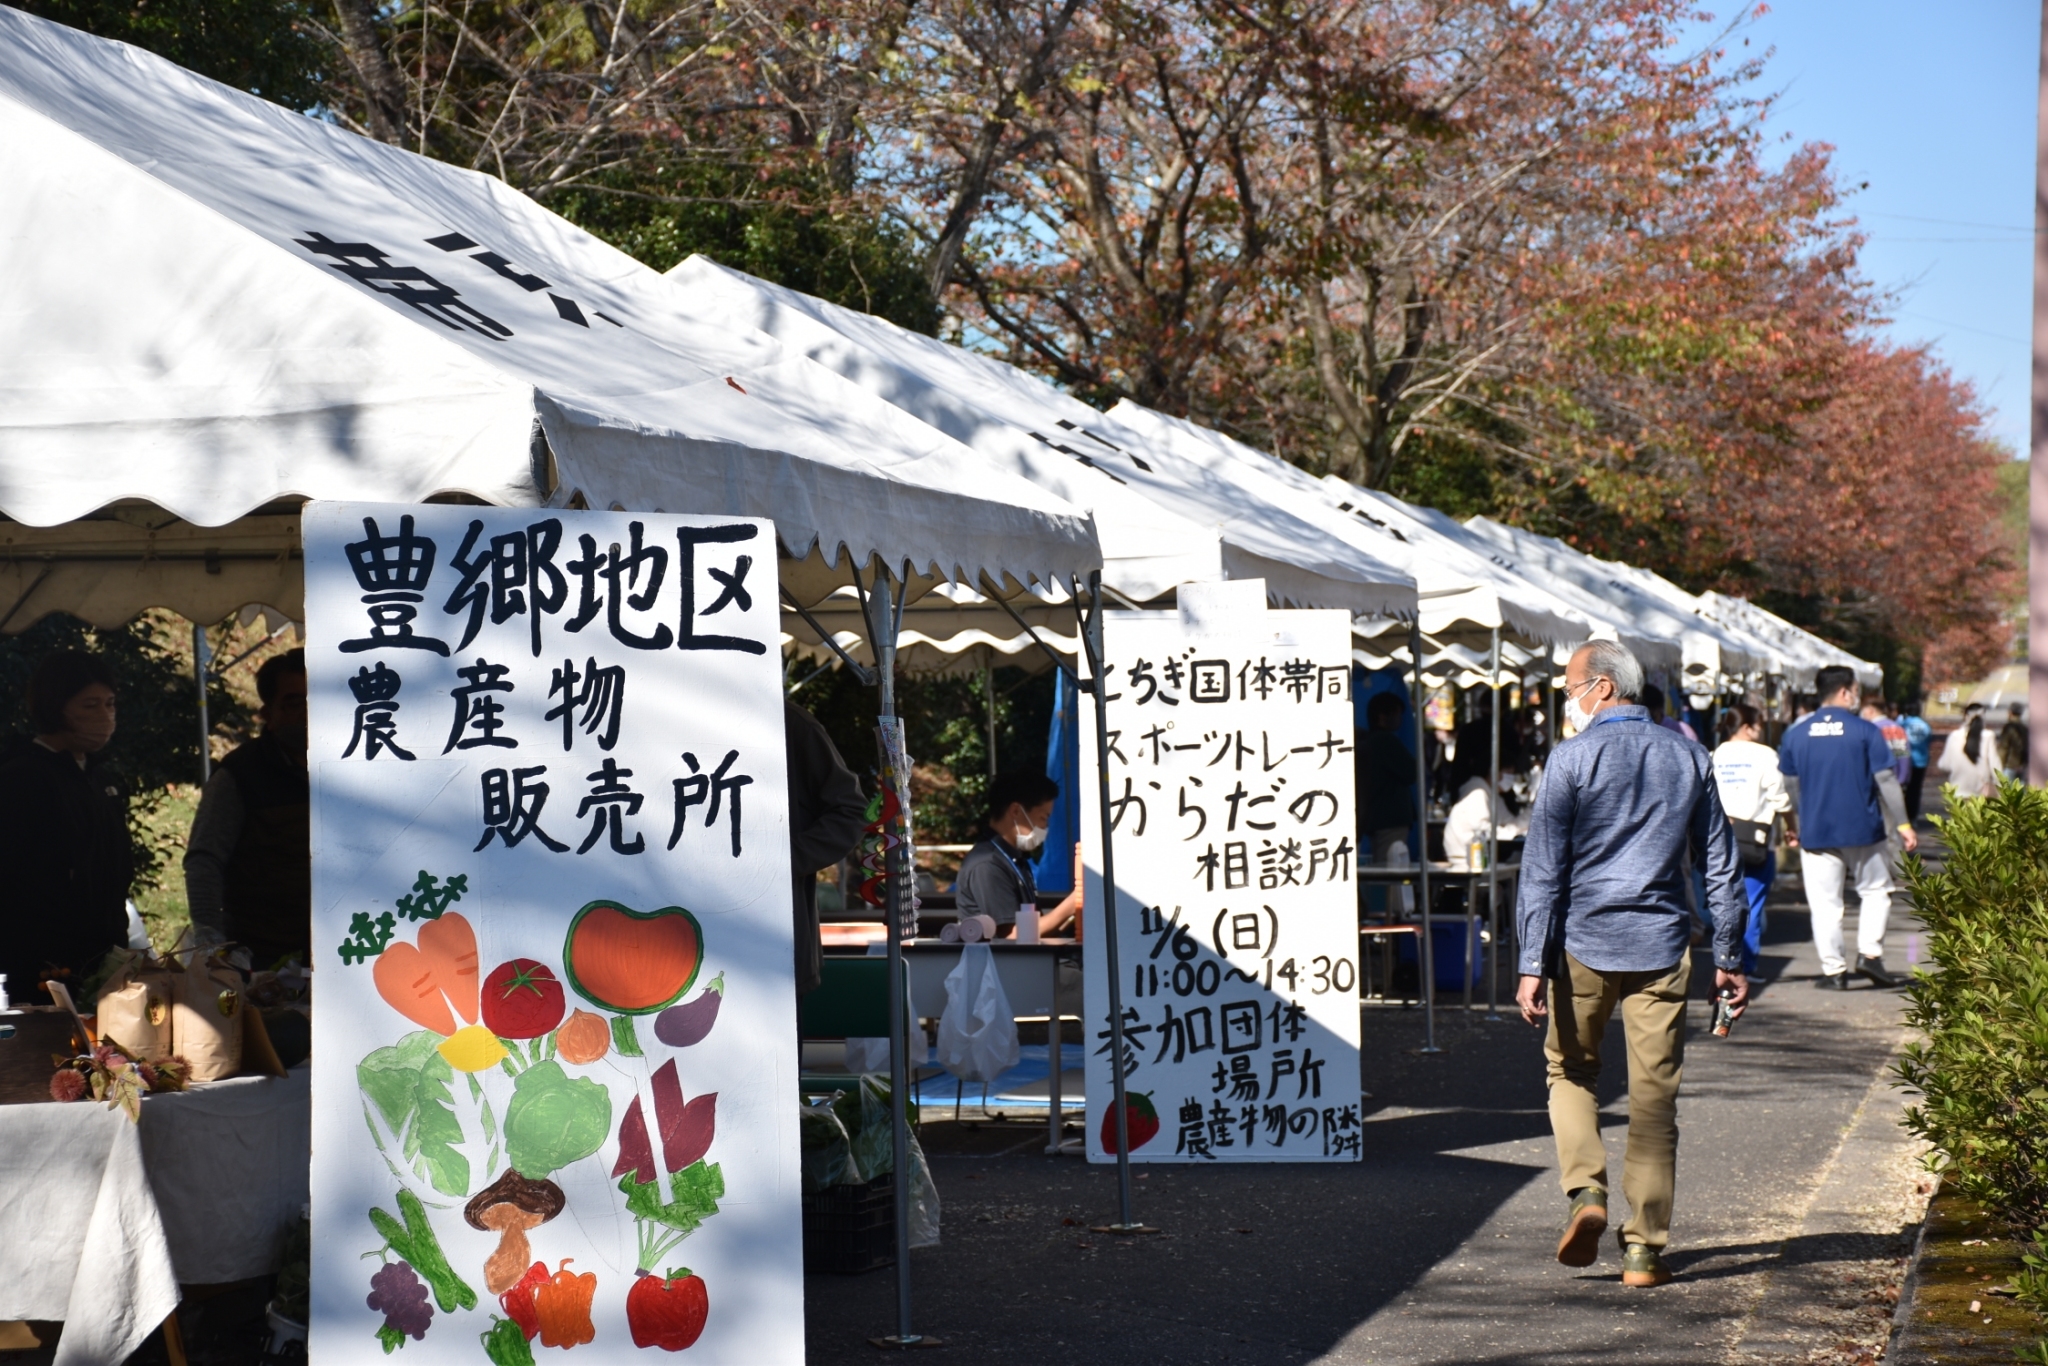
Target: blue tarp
x=1053, y=870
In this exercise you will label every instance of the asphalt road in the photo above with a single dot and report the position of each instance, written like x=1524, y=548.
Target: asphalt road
x=1794, y=1185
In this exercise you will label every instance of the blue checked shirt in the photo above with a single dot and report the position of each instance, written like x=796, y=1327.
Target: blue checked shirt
x=1619, y=810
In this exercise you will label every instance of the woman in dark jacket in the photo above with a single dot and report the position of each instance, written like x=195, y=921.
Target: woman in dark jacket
x=65, y=858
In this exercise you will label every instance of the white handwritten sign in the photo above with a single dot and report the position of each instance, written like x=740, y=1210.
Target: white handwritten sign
x=553, y=1063
x=1230, y=790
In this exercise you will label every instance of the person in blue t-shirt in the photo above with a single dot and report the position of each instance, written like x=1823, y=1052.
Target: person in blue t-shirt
x=1839, y=769
x=1919, y=738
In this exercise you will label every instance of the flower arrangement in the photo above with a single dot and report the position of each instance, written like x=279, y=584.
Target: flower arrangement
x=112, y=1074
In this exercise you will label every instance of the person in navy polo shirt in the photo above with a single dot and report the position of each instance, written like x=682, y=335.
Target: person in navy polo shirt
x=1839, y=768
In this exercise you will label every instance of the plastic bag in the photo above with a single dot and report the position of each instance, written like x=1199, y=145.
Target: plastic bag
x=874, y=1152
x=826, y=1154
x=977, y=1033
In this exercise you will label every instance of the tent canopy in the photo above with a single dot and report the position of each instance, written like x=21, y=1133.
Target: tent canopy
x=1460, y=595
x=1143, y=497
x=219, y=307
x=1801, y=652
x=1662, y=631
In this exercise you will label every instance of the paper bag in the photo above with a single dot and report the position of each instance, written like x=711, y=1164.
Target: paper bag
x=135, y=1011
x=206, y=1019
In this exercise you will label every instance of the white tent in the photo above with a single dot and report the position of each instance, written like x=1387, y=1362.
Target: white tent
x=1460, y=595
x=1801, y=652
x=1156, y=512
x=1663, y=631
x=218, y=308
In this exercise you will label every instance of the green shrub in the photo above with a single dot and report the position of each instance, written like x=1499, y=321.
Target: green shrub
x=1982, y=1068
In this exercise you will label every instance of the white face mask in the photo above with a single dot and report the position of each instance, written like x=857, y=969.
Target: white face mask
x=1577, y=717
x=1030, y=839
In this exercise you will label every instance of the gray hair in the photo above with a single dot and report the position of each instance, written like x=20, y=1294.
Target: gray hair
x=1611, y=660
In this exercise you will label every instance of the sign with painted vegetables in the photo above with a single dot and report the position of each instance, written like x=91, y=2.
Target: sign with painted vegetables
x=551, y=919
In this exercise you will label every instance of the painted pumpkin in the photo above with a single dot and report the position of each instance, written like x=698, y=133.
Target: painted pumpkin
x=632, y=962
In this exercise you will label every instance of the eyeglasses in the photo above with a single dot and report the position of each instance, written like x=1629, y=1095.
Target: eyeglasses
x=1573, y=690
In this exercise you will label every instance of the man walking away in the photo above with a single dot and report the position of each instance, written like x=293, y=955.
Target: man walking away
x=2012, y=743
x=1604, y=916
x=1839, y=769
x=1919, y=743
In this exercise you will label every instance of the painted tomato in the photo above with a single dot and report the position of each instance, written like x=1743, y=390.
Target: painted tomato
x=522, y=999
x=632, y=962
x=667, y=1311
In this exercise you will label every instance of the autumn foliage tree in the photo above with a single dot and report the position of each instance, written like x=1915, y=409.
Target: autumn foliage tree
x=1537, y=260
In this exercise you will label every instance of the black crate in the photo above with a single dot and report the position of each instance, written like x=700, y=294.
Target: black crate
x=849, y=1230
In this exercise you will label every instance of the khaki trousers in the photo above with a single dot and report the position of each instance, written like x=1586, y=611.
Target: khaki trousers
x=1653, y=1022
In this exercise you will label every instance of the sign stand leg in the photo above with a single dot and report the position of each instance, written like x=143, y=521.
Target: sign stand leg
x=1427, y=957
x=1091, y=640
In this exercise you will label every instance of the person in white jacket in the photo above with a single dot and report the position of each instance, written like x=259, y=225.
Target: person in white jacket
x=1753, y=794
x=1969, y=758
x=1466, y=823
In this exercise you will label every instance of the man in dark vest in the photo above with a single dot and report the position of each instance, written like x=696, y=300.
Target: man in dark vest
x=249, y=865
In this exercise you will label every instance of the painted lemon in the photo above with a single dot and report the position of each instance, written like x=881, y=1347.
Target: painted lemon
x=472, y=1048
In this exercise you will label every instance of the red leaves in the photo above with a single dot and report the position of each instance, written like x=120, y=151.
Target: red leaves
x=687, y=1128
x=636, y=1150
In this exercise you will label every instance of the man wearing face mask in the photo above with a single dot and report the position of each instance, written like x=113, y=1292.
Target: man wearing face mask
x=995, y=877
x=248, y=865
x=1602, y=922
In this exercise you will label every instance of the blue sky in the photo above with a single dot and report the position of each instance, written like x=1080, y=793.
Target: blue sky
x=1932, y=105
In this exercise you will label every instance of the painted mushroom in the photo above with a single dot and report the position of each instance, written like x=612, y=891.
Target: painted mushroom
x=509, y=1207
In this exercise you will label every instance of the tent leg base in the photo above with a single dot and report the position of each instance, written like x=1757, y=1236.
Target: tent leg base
x=906, y=1342
x=1122, y=1230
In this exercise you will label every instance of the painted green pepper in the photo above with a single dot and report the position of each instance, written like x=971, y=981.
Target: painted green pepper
x=505, y=1344
x=415, y=1242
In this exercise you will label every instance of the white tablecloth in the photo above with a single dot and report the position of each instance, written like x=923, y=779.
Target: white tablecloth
x=100, y=1219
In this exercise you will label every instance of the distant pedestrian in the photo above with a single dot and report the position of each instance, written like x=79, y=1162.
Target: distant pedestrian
x=1753, y=795
x=1919, y=741
x=1603, y=923
x=1967, y=759
x=2012, y=743
x=1839, y=770
x=1894, y=738
x=1653, y=699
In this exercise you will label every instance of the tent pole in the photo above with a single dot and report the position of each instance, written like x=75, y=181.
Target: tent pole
x=201, y=656
x=988, y=693
x=1427, y=957
x=1091, y=641
x=1492, y=862
x=883, y=634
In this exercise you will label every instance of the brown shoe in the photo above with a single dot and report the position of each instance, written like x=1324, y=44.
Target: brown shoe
x=1580, y=1244
x=1642, y=1266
